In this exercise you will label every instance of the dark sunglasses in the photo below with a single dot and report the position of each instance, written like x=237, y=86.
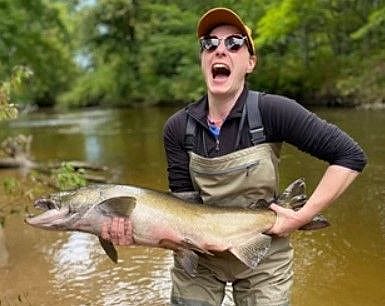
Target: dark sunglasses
x=232, y=43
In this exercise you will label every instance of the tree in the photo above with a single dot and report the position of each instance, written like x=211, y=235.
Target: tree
x=37, y=34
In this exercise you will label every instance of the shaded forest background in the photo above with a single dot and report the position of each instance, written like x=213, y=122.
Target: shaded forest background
x=130, y=52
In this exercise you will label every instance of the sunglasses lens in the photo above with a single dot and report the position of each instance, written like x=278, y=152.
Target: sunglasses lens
x=234, y=42
x=209, y=43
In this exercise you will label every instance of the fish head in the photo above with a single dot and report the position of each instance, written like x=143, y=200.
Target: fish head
x=84, y=209
x=61, y=210
x=53, y=217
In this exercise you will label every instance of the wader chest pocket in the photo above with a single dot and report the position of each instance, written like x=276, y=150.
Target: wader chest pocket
x=242, y=168
x=236, y=185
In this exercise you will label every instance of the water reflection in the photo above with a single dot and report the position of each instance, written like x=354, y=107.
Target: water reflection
x=73, y=259
x=80, y=266
x=141, y=275
x=93, y=149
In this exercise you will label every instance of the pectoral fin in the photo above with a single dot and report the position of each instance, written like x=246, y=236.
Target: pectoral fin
x=188, y=260
x=109, y=248
x=253, y=250
x=186, y=257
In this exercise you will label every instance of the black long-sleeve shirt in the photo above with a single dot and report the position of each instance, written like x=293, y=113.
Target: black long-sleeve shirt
x=284, y=120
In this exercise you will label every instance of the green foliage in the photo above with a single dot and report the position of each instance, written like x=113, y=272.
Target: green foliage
x=168, y=57
x=38, y=34
x=66, y=177
x=123, y=52
x=8, y=110
x=142, y=52
x=11, y=186
x=375, y=25
x=278, y=21
x=310, y=49
x=364, y=80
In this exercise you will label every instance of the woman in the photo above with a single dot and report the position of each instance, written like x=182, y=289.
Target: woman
x=226, y=146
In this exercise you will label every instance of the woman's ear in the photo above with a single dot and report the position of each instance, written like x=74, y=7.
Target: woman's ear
x=252, y=63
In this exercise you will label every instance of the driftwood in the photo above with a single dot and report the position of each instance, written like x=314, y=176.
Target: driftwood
x=9, y=162
x=22, y=162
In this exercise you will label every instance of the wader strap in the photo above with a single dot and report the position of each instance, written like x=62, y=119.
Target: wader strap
x=189, y=138
x=240, y=128
x=256, y=131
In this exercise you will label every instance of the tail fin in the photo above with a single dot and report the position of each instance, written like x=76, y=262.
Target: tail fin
x=294, y=197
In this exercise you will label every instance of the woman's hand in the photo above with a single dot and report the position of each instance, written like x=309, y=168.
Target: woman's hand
x=287, y=222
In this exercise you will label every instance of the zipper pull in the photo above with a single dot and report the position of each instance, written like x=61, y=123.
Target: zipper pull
x=217, y=144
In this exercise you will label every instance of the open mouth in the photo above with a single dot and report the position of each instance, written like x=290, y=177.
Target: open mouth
x=220, y=71
x=52, y=215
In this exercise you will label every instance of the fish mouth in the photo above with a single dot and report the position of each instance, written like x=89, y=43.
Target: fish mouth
x=52, y=217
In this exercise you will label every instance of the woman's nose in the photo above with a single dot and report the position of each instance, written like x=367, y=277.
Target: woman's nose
x=221, y=49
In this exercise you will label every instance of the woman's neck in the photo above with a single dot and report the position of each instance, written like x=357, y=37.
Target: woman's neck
x=220, y=106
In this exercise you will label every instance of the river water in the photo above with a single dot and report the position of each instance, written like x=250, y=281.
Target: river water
x=340, y=265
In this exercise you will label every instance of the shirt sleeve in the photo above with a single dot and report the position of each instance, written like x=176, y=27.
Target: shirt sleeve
x=176, y=155
x=286, y=120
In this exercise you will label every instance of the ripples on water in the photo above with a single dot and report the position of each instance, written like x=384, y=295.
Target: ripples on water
x=83, y=273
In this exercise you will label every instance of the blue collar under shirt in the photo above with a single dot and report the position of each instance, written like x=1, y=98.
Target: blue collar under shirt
x=215, y=131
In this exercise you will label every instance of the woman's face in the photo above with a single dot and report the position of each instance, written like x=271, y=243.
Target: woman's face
x=225, y=70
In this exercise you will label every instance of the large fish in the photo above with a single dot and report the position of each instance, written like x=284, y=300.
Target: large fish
x=161, y=219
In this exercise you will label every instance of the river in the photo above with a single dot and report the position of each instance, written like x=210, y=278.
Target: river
x=340, y=265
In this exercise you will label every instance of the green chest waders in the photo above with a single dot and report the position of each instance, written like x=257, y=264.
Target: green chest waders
x=238, y=179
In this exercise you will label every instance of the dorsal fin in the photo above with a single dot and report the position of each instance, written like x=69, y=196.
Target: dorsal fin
x=119, y=206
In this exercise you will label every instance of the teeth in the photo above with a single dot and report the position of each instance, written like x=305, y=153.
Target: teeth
x=219, y=66
x=220, y=69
